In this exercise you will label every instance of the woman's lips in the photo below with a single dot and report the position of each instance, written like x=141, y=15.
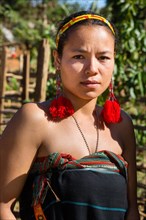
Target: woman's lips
x=90, y=84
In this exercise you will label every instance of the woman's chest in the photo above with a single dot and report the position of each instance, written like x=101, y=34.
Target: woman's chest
x=79, y=142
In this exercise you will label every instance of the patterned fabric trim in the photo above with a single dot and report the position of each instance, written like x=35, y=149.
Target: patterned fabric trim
x=43, y=169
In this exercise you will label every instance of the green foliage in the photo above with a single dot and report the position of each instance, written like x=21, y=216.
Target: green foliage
x=130, y=77
x=51, y=88
x=31, y=22
x=12, y=84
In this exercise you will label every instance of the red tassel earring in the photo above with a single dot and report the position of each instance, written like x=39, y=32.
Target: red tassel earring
x=111, y=112
x=60, y=107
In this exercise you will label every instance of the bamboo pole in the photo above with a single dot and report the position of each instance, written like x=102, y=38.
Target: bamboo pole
x=3, y=71
x=42, y=70
x=26, y=76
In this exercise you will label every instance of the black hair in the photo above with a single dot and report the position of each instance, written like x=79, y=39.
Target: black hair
x=63, y=38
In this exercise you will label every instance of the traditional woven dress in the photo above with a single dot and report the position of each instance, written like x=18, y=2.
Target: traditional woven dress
x=91, y=188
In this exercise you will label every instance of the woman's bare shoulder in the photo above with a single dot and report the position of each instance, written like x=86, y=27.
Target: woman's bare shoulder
x=126, y=121
x=127, y=131
x=30, y=113
x=28, y=120
x=124, y=125
x=32, y=110
x=124, y=130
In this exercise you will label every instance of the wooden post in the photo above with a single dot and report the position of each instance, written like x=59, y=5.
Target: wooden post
x=3, y=71
x=26, y=76
x=42, y=70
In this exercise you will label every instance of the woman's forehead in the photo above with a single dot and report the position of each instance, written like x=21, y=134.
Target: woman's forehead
x=90, y=35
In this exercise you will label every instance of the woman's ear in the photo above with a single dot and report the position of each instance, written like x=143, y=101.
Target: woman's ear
x=56, y=59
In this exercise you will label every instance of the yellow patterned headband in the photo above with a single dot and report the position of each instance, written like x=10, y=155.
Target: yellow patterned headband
x=80, y=18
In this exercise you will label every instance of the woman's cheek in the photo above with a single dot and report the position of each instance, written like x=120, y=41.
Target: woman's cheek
x=77, y=67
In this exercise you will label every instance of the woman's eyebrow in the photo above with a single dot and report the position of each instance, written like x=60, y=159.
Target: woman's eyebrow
x=86, y=51
x=79, y=50
x=105, y=52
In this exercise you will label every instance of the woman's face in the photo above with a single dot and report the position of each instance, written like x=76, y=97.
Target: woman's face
x=87, y=62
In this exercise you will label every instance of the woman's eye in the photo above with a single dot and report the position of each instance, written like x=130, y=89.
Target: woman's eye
x=104, y=58
x=78, y=57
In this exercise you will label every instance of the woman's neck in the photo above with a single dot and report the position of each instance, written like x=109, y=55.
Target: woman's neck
x=83, y=106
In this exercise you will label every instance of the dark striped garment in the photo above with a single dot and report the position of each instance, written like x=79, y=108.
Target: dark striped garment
x=91, y=188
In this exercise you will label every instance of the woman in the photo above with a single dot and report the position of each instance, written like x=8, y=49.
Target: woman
x=67, y=159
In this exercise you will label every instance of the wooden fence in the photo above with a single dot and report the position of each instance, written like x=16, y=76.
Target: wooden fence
x=32, y=87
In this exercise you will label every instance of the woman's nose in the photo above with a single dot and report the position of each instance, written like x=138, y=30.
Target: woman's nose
x=92, y=66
